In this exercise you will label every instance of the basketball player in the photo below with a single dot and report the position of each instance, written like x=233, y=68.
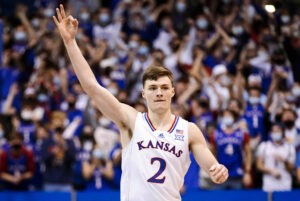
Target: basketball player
x=156, y=144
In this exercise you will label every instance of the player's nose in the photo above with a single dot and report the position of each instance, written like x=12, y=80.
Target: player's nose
x=159, y=92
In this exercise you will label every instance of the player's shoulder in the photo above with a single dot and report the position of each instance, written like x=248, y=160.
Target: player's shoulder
x=193, y=131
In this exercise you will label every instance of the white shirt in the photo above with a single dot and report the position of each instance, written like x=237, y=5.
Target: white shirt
x=267, y=151
x=154, y=162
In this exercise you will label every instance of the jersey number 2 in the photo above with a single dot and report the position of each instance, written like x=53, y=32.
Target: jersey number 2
x=161, y=169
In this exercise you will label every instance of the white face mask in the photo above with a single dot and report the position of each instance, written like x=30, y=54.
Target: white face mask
x=20, y=36
x=104, y=122
x=180, y=6
x=97, y=153
x=84, y=16
x=225, y=80
x=49, y=12
x=133, y=45
x=253, y=100
x=285, y=19
x=237, y=30
x=35, y=23
x=26, y=114
x=296, y=91
x=202, y=23
x=87, y=145
x=227, y=121
x=276, y=136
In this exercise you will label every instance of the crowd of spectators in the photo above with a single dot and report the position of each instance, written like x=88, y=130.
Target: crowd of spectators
x=237, y=76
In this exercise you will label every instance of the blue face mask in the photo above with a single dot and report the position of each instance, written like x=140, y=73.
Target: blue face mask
x=1, y=133
x=104, y=18
x=143, y=50
x=133, y=45
x=285, y=19
x=227, y=121
x=98, y=154
x=237, y=30
x=84, y=16
x=42, y=98
x=20, y=36
x=180, y=7
x=202, y=23
x=253, y=100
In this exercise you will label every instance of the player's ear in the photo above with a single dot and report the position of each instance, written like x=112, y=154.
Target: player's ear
x=143, y=93
x=173, y=91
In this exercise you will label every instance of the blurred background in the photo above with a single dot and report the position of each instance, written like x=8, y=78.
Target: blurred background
x=236, y=65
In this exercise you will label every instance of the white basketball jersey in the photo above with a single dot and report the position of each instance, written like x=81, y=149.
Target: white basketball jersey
x=155, y=162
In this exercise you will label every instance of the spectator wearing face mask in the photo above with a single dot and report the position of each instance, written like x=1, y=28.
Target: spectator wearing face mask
x=98, y=171
x=27, y=127
x=253, y=114
x=106, y=28
x=219, y=90
x=229, y=143
x=292, y=133
x=275, y=159
x=17, y=165
x=140, y=63
x=85, y=22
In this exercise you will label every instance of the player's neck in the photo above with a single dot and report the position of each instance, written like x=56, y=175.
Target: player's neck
x=161, y=121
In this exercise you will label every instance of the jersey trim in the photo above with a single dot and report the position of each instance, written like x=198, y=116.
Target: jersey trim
x=153, y=128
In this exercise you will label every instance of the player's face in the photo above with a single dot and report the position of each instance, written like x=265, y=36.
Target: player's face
x=158, y=94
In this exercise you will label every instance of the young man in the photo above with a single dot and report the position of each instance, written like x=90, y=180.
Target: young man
x=156, y=144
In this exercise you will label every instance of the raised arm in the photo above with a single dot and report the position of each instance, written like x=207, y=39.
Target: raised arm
x=123, y=115
x=205, y=159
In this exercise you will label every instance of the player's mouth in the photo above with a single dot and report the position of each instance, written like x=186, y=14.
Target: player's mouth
x=159, y=101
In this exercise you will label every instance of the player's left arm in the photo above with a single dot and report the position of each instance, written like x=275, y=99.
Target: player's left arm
x=205, y=159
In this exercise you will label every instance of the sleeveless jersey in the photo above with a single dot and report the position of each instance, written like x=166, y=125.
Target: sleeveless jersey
x=154, y=162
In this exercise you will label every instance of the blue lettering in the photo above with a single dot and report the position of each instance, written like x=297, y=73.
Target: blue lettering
x=140, y=145
x=150, y=145
x=166, y=147
x=172, y=150
x=160, y=145
x=179, y=153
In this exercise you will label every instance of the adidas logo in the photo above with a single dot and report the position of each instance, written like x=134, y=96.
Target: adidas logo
x=161, y=135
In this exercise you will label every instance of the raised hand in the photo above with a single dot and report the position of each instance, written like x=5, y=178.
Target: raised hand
x=218, y=173
x=67, y=26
